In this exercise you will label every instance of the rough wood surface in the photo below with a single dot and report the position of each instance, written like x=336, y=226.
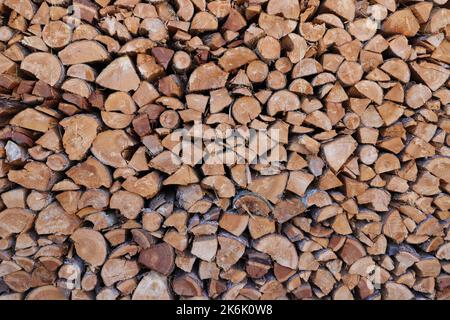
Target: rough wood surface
x=253, y=149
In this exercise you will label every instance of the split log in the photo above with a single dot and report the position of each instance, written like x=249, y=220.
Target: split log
x=119, y=75
x=75, y=144
x=207, y=77
x=115, y=270
x=33, y=120
x=45, y=67
x=15, y=220
x=91, y=174
x=34, y=175
x=153, y=286
x=108, y=147
x=90, y=246
x=54, y=220
x=279, y=248
x=159, y=257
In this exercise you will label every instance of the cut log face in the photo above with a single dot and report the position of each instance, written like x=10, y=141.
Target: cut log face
x=90, y=246
x=235, y=58
x=63, y=32
x=33, y=120
x=15, y=220
x=401, y=22
x=55, y=220
x=91, y=174
x=207, y=77
x=159, y=257
x=279, y=248
x=115, y=270
x=84, y=51
x=119, y=75
x=224, y=149
x=79, y=133
x=338, y=151
x=153, y=286
x=35, y=175
x=44, y=66
x=108, y=147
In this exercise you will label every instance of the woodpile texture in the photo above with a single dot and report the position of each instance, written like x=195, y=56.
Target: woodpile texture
x=97, y=203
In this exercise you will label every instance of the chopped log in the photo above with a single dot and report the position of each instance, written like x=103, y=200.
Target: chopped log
x=75, y=144
x=109, y=146
x=187, y=285
x=433, y=75
x=260, y=226
x=234, y=223
x=90, y=246
x=15, y=220
x=245, y=109
x=253, y=204
x=91, y=174
x=181, y=61
x=231, y=250
x=34, y=175
x=119, y=75
x=44, y=66
x=33, y=120
x=235, y=58
x=298, y=182
x=147, y=186
x=344, y=9
x=269, y=187
x=55, y=220
x=338, y=151
x=152, y=286
x=204, y=247
x=47, y=293
x=129, y=204
x=115, y=270
x=159, y=257
x=207, y=77
x=63, y=31
x=279, y=248
x=401, y=22
x=26, y=9
x=396, y=291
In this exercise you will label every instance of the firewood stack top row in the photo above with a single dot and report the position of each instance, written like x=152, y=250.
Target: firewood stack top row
x=98, y=202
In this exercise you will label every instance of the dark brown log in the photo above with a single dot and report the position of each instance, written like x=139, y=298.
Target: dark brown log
x=159, y=257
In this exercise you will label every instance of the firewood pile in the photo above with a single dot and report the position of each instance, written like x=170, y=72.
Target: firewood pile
x=225, y=149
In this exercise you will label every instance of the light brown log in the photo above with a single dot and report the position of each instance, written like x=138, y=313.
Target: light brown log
x=90, y=246
x=282, y=101
x=47, y=292
x=152, y=286
x=75, y=144
x=146, y=187
x=279, y=248
x=204, y=247
x=401, y=22
x=115, y=270
x=109, y=146
x=55, y=220
x=91, y=173
x=187, y=285
x=235, y=58
x=35, y=175
x=206, y=77
x=119, y=75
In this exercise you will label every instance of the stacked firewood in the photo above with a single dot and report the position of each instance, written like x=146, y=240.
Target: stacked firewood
x=99, y=201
